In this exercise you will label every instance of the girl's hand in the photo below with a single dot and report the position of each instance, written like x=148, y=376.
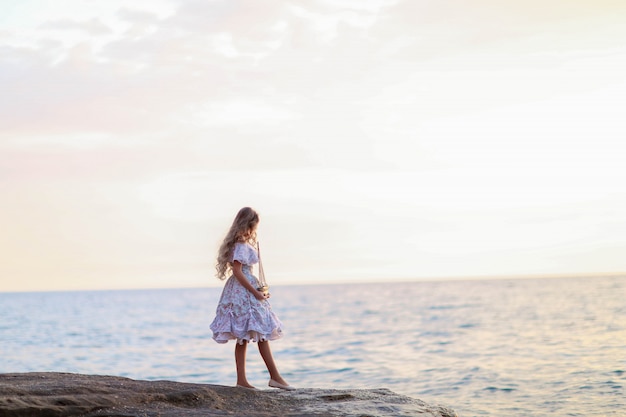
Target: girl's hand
x=261, y=295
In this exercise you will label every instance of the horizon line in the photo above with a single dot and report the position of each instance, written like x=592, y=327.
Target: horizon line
x=396, y=280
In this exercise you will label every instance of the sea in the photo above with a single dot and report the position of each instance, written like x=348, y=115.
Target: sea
x=509, y=347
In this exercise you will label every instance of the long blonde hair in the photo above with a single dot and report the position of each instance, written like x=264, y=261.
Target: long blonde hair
x=243, y=230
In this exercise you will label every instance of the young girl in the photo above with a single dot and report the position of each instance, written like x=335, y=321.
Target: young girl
x=243, y=312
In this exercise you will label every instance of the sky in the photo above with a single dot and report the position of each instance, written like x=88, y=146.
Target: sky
x=378, y=139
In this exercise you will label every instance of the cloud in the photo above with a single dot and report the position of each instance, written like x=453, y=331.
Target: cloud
x=238, y=113
x=78, y=95
x=137, y=17
x=227, y=68
x=92, y=27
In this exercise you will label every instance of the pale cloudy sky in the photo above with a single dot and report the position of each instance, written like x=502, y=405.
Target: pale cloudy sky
x=378, y=139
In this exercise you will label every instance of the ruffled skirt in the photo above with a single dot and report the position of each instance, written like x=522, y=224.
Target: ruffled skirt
x=242, y=317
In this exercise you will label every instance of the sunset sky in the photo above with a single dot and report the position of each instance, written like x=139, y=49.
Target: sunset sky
x=378, y=139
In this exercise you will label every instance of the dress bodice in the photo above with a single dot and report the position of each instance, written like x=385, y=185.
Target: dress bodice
x=245, y=253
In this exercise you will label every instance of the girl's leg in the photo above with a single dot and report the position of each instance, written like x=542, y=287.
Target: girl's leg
x=266, y=354
x=240, y=363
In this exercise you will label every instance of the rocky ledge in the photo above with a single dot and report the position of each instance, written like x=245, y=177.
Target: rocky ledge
x=61, y=394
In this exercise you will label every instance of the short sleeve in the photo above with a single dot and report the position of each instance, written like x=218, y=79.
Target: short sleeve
x=245, y=254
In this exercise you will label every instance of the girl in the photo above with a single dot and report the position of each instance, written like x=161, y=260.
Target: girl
x=243, y=312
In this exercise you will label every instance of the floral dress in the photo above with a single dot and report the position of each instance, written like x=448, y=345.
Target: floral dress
x=239, y=314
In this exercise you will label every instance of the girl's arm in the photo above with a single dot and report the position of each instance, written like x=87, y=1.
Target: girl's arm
x=238, y=273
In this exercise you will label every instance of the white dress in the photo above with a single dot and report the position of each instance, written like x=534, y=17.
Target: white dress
x=239, y=314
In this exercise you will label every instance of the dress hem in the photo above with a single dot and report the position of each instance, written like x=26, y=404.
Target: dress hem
x=225, y=337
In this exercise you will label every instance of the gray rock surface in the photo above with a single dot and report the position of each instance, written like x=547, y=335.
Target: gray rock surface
x=49, y=394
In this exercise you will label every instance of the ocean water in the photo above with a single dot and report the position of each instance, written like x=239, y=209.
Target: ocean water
x=540, y=347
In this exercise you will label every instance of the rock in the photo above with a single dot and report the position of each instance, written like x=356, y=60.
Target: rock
x=63, y=395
